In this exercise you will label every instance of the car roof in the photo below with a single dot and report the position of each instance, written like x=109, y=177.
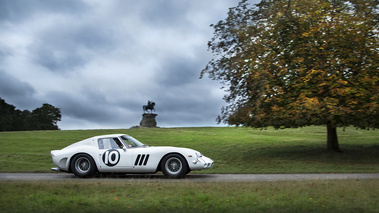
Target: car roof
x=108, y=136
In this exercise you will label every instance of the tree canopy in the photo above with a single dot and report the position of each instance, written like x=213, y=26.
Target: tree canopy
x=42, y=118
x=293, y=63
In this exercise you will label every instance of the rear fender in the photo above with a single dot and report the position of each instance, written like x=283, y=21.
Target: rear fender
x=72, y=157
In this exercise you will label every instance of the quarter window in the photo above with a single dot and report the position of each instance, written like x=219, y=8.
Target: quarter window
x=110, y=143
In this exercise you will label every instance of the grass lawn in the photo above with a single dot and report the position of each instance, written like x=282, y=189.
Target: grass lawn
x=124, y=196
x=234, y=150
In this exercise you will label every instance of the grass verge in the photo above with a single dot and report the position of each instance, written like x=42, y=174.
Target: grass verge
x=119, y=196
x=234, y=150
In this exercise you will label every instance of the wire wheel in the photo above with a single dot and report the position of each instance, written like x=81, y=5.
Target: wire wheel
x=174, y=166
x=83, y=165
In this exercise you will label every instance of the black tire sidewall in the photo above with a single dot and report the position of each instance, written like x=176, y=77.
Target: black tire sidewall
x=80, y=174
x=183, y=170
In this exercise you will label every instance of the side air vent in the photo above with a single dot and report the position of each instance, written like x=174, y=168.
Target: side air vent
x=141, y=160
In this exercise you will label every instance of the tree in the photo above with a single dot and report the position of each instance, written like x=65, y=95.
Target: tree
x=6, y=116
x=43, y=118
x=22, y=120
x=294, y=63
x=46, y=117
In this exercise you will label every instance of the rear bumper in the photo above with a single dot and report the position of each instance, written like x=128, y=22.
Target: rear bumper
x=60, y=161
x=55, y=169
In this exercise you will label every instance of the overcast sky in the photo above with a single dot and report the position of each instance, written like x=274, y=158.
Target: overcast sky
x=100, y=61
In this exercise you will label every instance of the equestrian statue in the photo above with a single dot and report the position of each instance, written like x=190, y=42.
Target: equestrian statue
x=150, y=106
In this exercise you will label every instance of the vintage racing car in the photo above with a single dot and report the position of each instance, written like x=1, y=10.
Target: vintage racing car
x=120, y=153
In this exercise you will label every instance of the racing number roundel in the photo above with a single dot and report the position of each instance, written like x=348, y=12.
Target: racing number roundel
x=111, y=157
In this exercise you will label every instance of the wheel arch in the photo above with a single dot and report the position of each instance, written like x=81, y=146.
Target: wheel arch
x=171, y=153
x=81, y=153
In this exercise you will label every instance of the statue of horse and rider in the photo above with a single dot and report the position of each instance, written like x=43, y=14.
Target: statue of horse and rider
x=150, y=106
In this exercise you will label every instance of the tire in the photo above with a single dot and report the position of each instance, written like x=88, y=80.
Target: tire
x=174, y=166
x=83, y=165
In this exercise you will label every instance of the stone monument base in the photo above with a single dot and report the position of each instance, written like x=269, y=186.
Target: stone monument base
x=148, y=120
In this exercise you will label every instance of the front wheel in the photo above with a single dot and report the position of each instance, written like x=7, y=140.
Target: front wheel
x=83, y=165
x=174, y=166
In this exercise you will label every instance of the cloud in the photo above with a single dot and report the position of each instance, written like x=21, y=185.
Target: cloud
x=101, y=61
x=12, y=86
x=16, y=91
x=19, y=10
x=178, y=71
x=69, y=47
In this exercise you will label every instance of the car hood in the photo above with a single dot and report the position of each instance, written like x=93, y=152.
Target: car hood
x=170, y=148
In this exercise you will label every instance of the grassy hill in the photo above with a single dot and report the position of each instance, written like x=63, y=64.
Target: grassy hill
x=234, y=150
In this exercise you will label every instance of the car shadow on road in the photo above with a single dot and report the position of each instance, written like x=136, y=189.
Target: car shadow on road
x=149, y=176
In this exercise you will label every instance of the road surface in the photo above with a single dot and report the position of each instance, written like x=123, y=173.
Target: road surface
x=189, y=177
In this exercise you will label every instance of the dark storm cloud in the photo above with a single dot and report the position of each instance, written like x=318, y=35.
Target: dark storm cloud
x=11, y=86
x=20, y=10
x=69, y=47
x=57, y=60
x=183, y=98
x=89, y=107
x=101, y=61
x=16, y=92
x=4, y=52
x=94, y=106
x=178, y=71
x=164, y=13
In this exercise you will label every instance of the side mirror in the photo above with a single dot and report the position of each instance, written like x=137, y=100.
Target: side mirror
x=124, y=148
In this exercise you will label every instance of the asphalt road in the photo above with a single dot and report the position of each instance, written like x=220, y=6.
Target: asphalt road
x=189, y=177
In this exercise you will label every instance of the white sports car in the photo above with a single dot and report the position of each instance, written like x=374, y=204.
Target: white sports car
x=121, y=153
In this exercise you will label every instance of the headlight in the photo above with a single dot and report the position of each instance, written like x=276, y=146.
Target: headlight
x=198, y=155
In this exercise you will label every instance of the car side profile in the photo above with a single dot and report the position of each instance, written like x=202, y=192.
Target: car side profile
x=120, y=153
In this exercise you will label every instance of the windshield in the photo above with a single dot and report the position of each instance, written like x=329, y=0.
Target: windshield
x=131, y=142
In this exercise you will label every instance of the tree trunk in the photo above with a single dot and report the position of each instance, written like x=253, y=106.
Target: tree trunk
x=332, y=139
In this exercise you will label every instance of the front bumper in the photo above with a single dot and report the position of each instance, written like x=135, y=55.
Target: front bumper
x=201, y=163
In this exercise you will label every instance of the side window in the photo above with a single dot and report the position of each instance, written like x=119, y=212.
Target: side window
x=104, y=143
x=129, y=143
x=118, y=142
x=109, y=143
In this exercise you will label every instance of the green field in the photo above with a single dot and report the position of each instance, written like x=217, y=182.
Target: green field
x=124, y=196
x=234, y=150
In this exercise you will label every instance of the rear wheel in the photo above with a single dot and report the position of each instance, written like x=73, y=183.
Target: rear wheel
x=83, y=165
x=174, y=166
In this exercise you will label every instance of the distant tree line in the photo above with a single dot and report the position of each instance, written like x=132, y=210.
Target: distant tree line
x=43, y=118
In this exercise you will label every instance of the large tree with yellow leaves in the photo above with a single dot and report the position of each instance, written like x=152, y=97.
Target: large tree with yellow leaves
x=294, y=63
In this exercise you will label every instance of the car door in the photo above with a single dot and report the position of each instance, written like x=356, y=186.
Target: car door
x=113, y=155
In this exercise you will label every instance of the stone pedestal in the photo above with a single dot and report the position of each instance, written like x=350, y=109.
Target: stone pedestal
x=148, y=120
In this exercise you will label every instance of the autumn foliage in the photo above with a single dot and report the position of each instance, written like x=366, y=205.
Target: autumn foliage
x=293, y=63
